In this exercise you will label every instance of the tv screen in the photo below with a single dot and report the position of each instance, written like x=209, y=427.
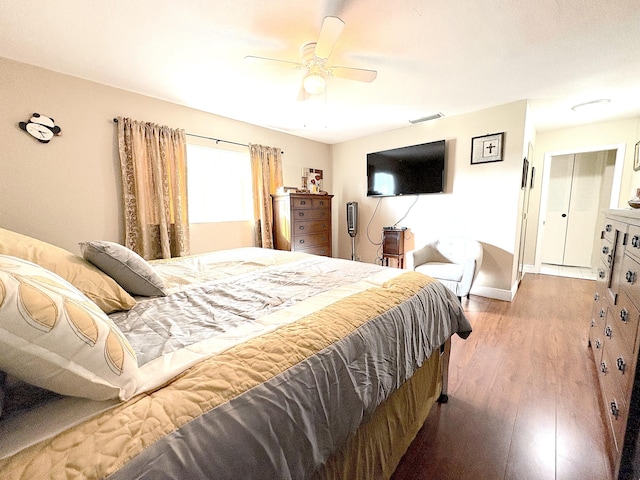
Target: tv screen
x=406, y=171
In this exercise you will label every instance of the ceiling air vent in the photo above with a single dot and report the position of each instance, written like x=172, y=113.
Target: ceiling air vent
x=426, y=119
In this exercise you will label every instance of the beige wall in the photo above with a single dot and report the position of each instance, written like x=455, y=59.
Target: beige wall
x=481, y=201
x=598, y=136
x=68, y=190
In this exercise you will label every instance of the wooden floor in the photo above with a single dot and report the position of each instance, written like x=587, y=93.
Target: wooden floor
x=523, y=394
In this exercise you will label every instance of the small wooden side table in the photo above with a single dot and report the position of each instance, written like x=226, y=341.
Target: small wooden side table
x=393, y=246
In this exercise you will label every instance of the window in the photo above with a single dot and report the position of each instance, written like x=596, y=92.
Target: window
x=219, y=183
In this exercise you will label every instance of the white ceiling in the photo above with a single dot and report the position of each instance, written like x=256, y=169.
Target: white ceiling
x=431, y=56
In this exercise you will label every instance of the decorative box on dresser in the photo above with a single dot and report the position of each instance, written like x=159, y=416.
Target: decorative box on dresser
x=613, y=337
x=302, y=222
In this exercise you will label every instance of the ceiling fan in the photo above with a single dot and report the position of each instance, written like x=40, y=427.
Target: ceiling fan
x=314, y=61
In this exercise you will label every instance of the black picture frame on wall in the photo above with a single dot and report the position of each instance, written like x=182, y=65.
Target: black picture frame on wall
x=636, y=157
x=525, y=173
x=487, y=148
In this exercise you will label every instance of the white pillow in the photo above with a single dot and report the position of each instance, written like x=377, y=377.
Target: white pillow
x=126, y=267
x=54, y=337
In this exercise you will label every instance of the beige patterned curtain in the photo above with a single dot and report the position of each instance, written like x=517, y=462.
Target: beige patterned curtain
x=154, y=184
x=266, y=170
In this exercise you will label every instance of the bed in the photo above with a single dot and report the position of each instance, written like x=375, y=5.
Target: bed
x=246, y=363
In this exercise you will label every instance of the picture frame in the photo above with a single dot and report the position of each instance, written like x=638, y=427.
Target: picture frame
x=636, y=157
x=487, y=148
x=525, y=173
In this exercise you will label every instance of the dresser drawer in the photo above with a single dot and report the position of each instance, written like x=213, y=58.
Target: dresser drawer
x=302, y=227
x=310, y=202
x=310, y=240
x=633, y=241
x=606, y=251
x=609, y=229
x=618, y=355
x=596, y=330
x=317, y=250
x=615, y=402
x=630, y=278
x=311, y=214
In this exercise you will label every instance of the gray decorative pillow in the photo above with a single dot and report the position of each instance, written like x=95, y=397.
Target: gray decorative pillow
x=127, y=268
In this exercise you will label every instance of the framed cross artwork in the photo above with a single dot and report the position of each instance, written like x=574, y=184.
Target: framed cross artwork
x=487, y=148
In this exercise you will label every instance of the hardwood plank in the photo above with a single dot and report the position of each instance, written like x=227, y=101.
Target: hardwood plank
x=524, y=397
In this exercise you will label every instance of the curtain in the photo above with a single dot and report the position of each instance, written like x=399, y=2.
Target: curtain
x=154, y=184
x=266, y=170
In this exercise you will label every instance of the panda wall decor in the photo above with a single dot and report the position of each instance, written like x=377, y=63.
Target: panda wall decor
x=40, y=127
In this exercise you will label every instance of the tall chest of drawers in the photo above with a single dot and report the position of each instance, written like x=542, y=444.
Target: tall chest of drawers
x=302, y=223
x=613, y=337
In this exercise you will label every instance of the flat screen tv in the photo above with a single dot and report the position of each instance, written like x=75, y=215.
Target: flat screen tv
x=412, y=170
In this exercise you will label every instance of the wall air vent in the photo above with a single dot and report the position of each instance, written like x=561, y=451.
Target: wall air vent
x=426, y=119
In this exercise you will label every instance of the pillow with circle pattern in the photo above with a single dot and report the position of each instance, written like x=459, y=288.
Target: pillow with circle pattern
x=52, y=336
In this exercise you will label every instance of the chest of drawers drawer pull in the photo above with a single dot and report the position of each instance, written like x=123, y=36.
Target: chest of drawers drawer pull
x=596, y=297
x=303, y=202
x=605, y=249
x=608, y=332
x=301, y=241
x=598, y=344
x=635, y=241
x=620, y=364
x=615, y=411
x=603, y=367
x=602, y=312
x=301, y=227
x=608, y=227
x=630, y=276
x=624, y=315
x=600, y=273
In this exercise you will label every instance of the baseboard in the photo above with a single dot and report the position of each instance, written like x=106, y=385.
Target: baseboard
x=495, y=293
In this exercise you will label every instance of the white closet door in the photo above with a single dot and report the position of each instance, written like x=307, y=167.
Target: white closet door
x=583, y=208
x=556, y=216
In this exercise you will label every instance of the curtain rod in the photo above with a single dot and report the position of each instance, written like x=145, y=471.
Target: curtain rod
x=217, y=140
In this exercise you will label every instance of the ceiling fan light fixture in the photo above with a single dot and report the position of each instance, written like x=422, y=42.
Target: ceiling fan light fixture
x=314, y=83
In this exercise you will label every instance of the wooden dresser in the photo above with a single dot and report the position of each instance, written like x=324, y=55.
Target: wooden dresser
x=302, y=222
x=613, y=337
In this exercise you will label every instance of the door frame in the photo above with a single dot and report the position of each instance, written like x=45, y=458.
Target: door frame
x=544, y=187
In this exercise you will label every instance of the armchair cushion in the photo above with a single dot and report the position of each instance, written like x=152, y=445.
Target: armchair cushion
x=442, y=271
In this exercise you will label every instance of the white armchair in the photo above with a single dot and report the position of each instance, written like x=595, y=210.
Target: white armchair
x=455, y=261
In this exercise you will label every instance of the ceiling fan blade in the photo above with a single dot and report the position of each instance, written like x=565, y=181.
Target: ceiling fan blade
x=272, y=62
x=331, y=30
x=359, y=74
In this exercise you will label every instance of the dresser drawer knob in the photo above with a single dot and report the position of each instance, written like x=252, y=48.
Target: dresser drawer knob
x=301, y=214
x=635, y=241
x=303, y=202
x=605, y=249
x=600, y=273
x=601, y=314
x=593, y=322
x=615, y=411
x=624, y=315
x=630, y=276
x=300, y=242
x=608, y=332
x=603, y=367
x=596, y=297
x=301, y=227
x=620, y=364
x=321, y=202
x=608, y=227
x=598, y=344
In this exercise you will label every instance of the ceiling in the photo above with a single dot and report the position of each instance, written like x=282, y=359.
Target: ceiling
x=431, y=56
